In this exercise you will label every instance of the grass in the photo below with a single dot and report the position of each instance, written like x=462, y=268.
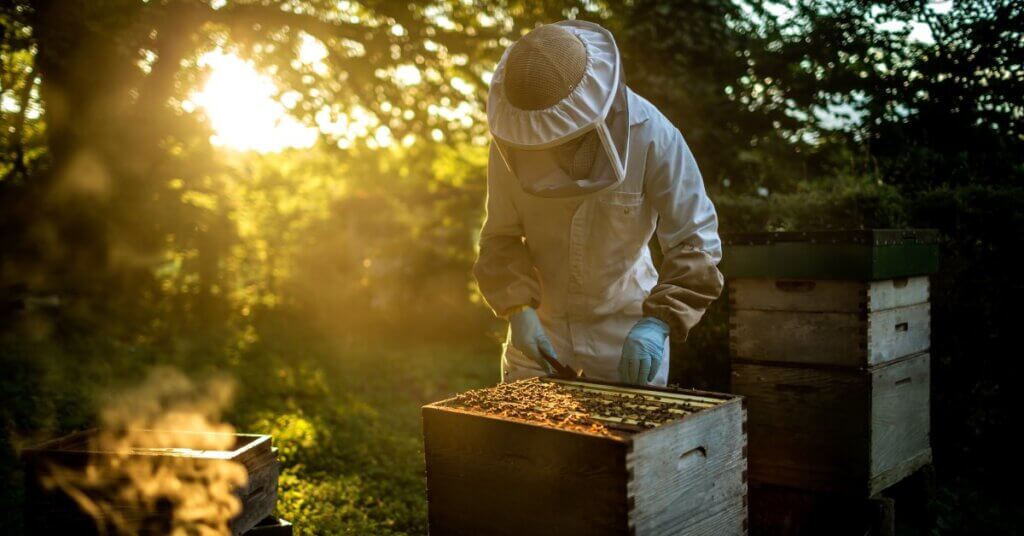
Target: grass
x=347, y=423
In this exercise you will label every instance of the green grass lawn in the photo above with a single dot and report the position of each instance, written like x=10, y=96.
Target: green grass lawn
x=348, y=426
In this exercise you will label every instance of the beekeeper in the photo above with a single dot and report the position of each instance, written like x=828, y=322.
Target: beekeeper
x=582, y=173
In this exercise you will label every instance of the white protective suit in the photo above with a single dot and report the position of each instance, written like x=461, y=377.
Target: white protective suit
x=582, y=258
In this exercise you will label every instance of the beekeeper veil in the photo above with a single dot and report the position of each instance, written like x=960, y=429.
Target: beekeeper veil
x=557, y=110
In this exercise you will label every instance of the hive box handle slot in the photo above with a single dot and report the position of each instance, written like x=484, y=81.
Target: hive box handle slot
x=906, y=380
x=900, y=282
x=791, y=388
x=691, y=457
x=795, y=286
x=902, y=326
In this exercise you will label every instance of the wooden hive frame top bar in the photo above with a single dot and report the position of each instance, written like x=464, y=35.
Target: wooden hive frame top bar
x=589, y=407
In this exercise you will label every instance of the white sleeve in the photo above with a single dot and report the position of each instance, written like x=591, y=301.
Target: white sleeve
x=504, y=268
x=688, y=278
x=674, y=184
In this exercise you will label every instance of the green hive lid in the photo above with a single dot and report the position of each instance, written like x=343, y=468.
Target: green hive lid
x=863, y=255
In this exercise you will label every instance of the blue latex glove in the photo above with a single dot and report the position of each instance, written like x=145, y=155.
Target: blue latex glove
x=529, y=338
x=643, y=351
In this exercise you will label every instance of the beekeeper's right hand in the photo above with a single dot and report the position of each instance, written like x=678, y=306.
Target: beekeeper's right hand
x=529, y=338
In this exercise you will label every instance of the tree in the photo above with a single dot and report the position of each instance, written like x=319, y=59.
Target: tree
x=955, y=116
x=709, y=66
x=937, y=89
x=113, y=73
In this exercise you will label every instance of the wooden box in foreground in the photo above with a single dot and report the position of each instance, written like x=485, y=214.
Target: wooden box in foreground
x=853, y=431
x=171, y=456
x=546, y=456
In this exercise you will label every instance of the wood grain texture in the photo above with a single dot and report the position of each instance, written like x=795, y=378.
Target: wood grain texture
x=491, y=476
x=807, y=427
x=259, y=496
x=836, y=339
x=827, y=296
x=899, y=412
x=900, y=292
x=810, y=295
x=688, y=477
x=899, y=332
x=904, y=469
x=798, y=337
x=841, y=430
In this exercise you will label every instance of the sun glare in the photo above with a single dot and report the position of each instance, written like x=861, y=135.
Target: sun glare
x=247, y=112
x=240, y=104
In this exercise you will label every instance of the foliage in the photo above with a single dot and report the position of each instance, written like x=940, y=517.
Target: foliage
x=943, y=108
x=706, y=80
x=130, y=240
x=124, y=191
x=844, y=203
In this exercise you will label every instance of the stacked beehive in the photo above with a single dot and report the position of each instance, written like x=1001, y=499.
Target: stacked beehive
x=545, y=456
x=829, y=337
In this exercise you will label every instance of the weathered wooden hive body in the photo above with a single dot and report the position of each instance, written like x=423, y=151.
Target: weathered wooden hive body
x=54, y=512
x=829, y=337
x=546, y=456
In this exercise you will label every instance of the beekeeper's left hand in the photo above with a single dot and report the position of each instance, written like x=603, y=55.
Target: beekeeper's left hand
x=643, y=351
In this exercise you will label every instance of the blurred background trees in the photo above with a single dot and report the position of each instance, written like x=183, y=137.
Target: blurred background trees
x=218, y=184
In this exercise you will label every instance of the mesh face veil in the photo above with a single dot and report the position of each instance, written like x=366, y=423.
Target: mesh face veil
x=558, y=112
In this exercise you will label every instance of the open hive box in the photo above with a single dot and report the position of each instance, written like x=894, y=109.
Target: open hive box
x=547, y=456
x=85, y=466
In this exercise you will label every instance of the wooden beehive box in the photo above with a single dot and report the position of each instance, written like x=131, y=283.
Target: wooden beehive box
x=856, y=431
x=829, y=322
x=544, y=456
x=53, y=512
x=829, y=334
